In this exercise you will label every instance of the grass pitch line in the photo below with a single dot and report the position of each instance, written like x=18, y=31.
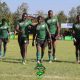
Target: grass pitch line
x=34, y=76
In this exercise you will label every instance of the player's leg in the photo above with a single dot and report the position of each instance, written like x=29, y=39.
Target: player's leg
x=79, y=55
x=38, y=48
x=76, y=49
x=0, y=47
x=21, y=46
x=76, y=52
x=50, y=51
x=43, y=49
x=53, y=36
x=24, y=43
x=19, y=42
x=24, y=52
x=38, y=54
x=5, y=46
x=53, y=50
x=42, y=52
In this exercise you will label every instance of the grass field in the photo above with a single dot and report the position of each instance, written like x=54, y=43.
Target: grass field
x=65, y=68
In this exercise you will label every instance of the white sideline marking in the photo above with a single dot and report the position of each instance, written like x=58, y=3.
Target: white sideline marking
x=34, y=76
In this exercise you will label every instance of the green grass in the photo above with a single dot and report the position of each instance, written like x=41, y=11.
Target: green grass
x=65, y=68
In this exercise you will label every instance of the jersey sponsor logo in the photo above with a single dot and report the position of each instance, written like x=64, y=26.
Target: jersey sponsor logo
x=24, y=23
x=21, y=24
x=43, y=25
x=49, y=21
x=77, y=26
x=54, y=20
x=3, y=27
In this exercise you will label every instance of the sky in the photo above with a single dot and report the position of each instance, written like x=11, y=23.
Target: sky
x=44, y=5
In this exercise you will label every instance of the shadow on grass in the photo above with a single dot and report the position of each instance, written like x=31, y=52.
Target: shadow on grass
x=33, y=60
x=60, y=61
x=57, y=61
x=11, y=60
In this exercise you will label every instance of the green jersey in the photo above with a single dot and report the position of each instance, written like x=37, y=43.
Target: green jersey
x=24, y=26
x=4, y=31
x=0, y=31
x=52, y=24
x=76, y=28
x=41, y=30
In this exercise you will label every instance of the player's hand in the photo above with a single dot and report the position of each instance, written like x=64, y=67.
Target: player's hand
x=8, y=40
x=57, y=37
x=74, y=39
x=9, y=34
x=30, y=27
x=49, y=41
x=23, y=32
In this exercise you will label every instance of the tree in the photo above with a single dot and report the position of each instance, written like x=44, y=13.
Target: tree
x=78, y=9
x=23, y=8
x=72, y=12
x=72, y=15
x=40, y=13
x=62, y=17
x=4, y=10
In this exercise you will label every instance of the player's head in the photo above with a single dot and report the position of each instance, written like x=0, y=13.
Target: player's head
x=24, y=16
x=4, y=21
x=50, y=13
x=40, y=19
x=78, y=18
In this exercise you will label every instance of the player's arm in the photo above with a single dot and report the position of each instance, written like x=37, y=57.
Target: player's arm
x=18, y=30
x=8, y=30
x=17, y=27
x=73, y=32
x=34, y=35
x=58, y=29
x=48, y=32
x=47, y=27
x=30, y=24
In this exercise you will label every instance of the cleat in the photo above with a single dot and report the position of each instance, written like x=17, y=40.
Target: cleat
x=23, y=61
x=38, y=62
x=50, y=61
x=54, y=58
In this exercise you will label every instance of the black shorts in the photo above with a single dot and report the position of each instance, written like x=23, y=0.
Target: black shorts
x=4, y=40
x=22, y=40
x=41, y=43
x=77, y=43
x=53, y=37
